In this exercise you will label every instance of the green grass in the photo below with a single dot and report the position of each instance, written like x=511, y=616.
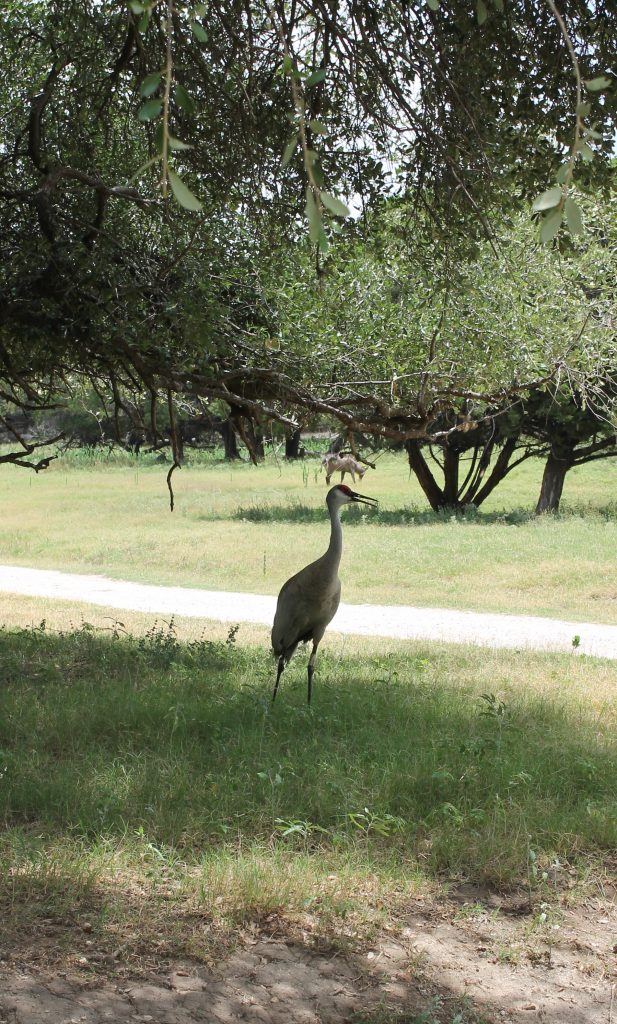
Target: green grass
x=152, y=797
x=248, y=528
x=151, y=793
x=408, y=755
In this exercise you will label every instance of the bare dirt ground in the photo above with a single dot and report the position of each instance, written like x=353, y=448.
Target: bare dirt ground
x=466, y=958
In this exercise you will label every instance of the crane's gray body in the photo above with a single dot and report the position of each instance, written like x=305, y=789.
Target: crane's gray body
x=306, y=605
x=308, y=601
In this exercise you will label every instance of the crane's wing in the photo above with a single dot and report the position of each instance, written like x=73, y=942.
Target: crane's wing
x=305, y=606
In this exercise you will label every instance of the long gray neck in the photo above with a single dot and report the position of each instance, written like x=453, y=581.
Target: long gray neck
x=335, y=547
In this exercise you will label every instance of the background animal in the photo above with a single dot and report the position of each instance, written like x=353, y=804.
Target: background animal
x=308, y=601
x=334, y=463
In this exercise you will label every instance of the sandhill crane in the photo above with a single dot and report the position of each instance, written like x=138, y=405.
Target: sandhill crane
x=308, y=601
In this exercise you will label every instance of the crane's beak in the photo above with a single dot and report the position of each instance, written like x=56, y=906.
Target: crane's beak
x=364, y=499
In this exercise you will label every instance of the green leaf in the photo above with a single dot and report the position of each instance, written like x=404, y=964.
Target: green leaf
x=322, y=241
x=549, y=199
x=318, y=176
x=334, y=205
x=590, y=133
x=200, y=10
x=498, y=5
x=158, y=136
x=289, y=151
x=562, y=173
x=550, y=224
x=144, y=21
x=136, y=7
x=174, y=143
x=583, y=109
x=573, y=217
x=316, y=77
x=144, y=167
x=150, y=110
x=313, y=216
x=183, y=99
x=310, y=157
x=433, y=4
x=317, y=127
x=150, y=83
x=182, y=194
x=481, y=12
x=287, y=64
x=586, y=152
x=199, y=32
x=598, y=84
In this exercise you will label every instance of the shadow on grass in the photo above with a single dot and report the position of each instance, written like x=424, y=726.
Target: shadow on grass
x=415, y=516
x=146, y=783
x=408, y=753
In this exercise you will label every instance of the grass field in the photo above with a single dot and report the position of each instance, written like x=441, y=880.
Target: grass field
x=154, y=799
x=248, y=528
x=150, y=788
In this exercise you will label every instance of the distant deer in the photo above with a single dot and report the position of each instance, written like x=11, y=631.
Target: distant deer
x=342, y=463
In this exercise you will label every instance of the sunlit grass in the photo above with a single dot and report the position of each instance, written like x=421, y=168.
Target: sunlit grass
x=248, y=528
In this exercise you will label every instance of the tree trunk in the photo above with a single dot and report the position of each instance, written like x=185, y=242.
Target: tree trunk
x=498, y=472
x=450, y=478
x=292, y=444
x=230, y=441
x=552, y=483
x=419, y=466
x=255, y=439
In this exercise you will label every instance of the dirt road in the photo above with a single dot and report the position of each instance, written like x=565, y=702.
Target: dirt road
x=399, y=621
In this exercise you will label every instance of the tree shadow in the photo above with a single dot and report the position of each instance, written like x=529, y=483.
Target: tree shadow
x=415, y=516
x=104, y=735
x=174, y=751
x=114, y=956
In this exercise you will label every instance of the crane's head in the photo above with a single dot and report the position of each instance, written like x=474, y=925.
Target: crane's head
x=342, y=495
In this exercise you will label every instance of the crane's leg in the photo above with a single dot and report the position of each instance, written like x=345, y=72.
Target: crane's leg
x=311, y=669
x=279, y=673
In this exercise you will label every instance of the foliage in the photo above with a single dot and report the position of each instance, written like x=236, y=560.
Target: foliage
x=400, y=332
x=102, y=280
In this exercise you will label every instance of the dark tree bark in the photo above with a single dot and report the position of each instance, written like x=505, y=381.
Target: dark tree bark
x=255, y=439
x=553, y=479
x=230, y=441
x=499, y=471
x=450, y=478
x=419, y=466
x=178, y=453
x=292, y=444
x=470, y=492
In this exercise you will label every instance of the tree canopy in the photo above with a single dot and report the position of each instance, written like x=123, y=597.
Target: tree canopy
x=452, y=111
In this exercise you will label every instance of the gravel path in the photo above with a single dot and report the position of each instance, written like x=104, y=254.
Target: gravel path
x=400, y=621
